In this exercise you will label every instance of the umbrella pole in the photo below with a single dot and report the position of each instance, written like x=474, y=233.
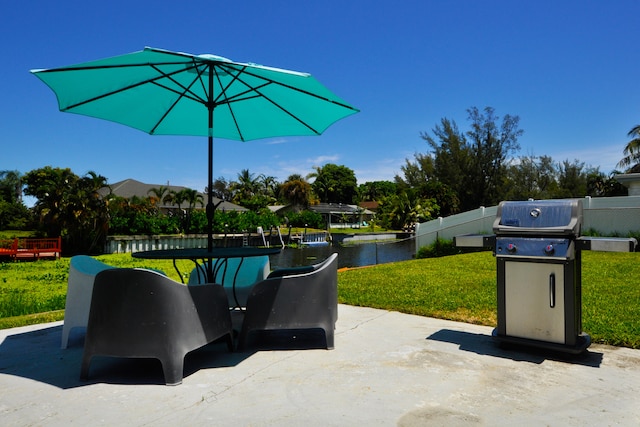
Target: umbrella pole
x=210, y=211
x=210, y=208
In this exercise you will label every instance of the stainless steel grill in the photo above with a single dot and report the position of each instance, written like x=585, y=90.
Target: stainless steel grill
x=537, y=245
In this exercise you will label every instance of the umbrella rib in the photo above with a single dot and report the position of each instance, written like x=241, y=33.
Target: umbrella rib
x=187, y=90
x=342, y=104
x=283, y=109
x=223, y=93
x=256, y=89
x=122, y=89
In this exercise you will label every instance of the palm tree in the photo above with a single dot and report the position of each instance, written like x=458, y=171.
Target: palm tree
x=632, y=149
x=269, y=185
x=192, y=197
x=319, y=185
x=91, y=211
x=158, y=194
x=246, y=187
x=176, y=198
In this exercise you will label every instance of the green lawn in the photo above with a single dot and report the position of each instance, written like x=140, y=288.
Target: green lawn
x=459, y=287
x=463, y=288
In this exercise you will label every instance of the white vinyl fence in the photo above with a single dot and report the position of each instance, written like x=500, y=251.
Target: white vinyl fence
x=608, y=216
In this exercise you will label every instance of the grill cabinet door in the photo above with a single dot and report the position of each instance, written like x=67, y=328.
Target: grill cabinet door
x=534, y=301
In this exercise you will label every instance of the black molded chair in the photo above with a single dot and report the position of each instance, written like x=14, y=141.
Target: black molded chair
x=139, y=313
x=294, y=299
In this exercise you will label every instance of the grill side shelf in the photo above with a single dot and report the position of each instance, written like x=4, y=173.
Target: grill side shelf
x=475, y=241
x=607, y=244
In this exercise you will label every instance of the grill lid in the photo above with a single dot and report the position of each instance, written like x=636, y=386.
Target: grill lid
x=539, y=217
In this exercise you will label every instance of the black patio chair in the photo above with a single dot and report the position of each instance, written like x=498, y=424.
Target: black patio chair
x=294, y=299
x=139, y=313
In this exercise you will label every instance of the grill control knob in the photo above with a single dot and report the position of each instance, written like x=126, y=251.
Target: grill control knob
x=549, y=249
x=511, y=248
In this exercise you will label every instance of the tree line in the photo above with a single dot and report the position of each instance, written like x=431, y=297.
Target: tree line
x=459, y=171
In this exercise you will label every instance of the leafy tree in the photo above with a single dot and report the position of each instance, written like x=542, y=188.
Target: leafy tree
x=416, y=173
x=375, y=190
x=296, y=191
x=473, y=165
x=14, y=216
x=11, y=186
x=13, y=213
x=492, y=146
x=443, y=201
x=572, y=179
x=222, y=189
x=420, y=178
x=601, y=185
x=632, y=149
x=70, y=206
x=531, y=177
x=451, y=163
x=335, y=184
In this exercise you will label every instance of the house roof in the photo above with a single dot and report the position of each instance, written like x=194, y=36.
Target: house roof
x=130, y=187
x=277, y=208
x=369, y=204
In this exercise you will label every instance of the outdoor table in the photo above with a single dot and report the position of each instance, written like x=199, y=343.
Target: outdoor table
x=204, y=256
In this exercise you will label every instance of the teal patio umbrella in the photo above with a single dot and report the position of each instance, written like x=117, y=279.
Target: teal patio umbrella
x=172, y=93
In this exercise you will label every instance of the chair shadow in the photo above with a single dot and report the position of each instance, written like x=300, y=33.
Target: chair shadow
x=37, y=355
x=485, y=345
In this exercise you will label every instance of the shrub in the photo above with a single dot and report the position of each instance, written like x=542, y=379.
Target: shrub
x=306, y=219
x=439, y=248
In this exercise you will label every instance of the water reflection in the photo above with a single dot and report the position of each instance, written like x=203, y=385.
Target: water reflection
x=356, y=255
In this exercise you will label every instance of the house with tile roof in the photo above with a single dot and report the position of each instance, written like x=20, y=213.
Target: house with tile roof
x=130, y=187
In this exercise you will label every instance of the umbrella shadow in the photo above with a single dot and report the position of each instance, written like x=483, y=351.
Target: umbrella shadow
x=485, y=345
x=37, y=355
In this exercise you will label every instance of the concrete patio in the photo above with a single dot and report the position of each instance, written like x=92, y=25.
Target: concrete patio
x=387, y=369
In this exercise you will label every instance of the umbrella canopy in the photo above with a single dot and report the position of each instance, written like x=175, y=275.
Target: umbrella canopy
x=172, y=93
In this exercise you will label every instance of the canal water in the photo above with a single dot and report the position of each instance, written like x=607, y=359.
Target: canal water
x=351, y=255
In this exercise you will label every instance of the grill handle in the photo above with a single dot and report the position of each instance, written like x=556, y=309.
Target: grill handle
x=552, y=290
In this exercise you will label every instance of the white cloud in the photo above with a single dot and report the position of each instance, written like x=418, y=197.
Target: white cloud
x=605, y=157
x=380, y=170
x=320, y=160
x=277, y=141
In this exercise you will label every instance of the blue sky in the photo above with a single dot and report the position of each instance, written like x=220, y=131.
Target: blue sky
x=568, y=69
